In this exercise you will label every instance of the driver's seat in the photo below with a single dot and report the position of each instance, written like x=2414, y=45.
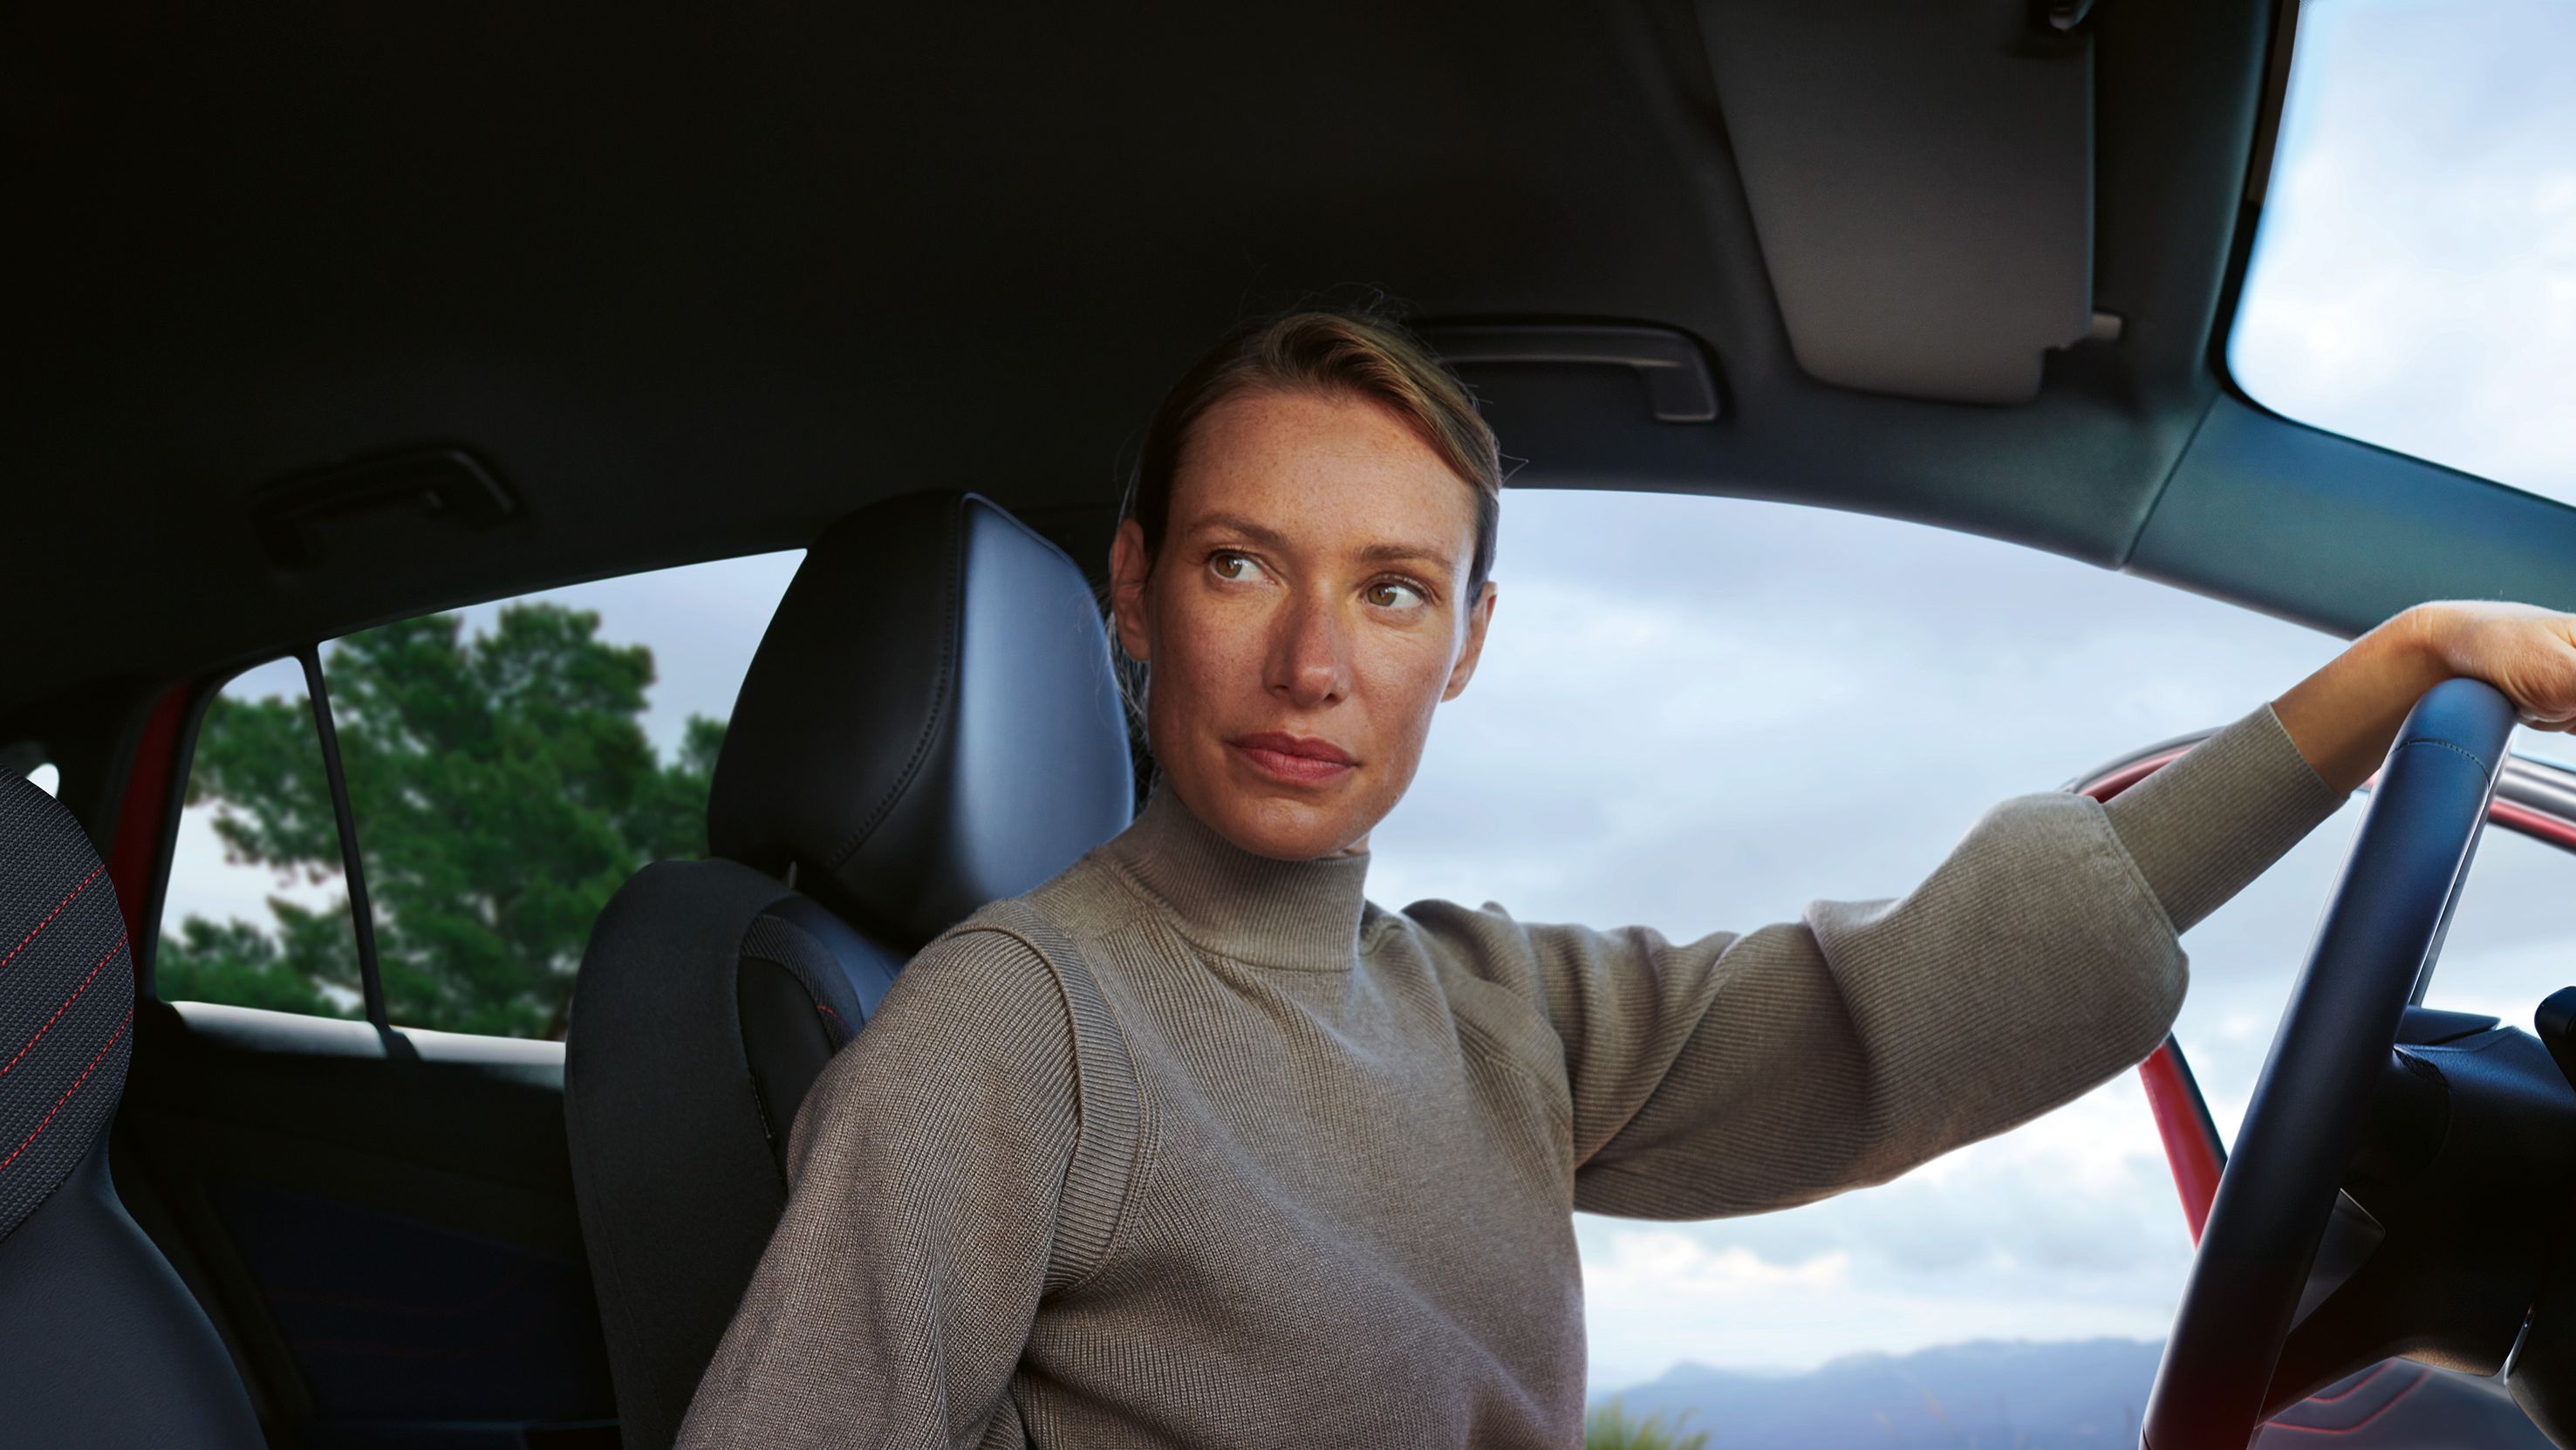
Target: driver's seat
x=100, y=1343
x=931, y=723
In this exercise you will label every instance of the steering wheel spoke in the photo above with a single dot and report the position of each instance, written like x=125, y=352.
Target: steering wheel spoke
x=2452, y=1215
x=2419, y=1185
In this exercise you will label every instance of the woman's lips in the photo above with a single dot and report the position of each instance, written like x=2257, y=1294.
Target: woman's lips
x=1294, y=759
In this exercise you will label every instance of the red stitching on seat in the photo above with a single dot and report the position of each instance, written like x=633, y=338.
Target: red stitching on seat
x=67, y=1092
x=835, y=1016
x=67, y=1002
x=49, y=916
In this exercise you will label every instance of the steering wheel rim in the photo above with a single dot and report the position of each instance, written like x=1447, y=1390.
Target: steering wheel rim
x=2375, y=947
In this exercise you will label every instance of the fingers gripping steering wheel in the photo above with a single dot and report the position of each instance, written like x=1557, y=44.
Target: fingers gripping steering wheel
x=2222, y=1373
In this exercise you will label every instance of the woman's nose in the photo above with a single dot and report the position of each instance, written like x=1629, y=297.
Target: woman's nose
x=1310, y=657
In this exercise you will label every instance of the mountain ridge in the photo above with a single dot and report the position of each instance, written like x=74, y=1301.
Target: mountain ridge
x=1983, y=1394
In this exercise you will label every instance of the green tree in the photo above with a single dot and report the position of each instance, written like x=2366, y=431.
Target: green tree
x=503, y=788
x=1609, y=1427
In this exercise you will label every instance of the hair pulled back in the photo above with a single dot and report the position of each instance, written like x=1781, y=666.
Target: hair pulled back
x=1347, y=352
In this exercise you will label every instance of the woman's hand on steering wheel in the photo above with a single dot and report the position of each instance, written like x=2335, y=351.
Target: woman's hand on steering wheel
x=2344, y=717
x=2527, y=652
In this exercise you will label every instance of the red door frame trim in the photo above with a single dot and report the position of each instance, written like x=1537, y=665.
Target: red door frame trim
x=2191, y=1142
x=142, y=815
x=2192, y=1148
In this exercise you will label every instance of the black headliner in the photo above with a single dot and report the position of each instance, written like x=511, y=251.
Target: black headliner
x=698, y=281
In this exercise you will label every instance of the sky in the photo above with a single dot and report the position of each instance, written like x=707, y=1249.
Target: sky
x=2414, y=278
x=1700, y=714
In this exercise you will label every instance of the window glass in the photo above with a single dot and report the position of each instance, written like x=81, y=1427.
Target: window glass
x=2413, y=282
x=256, y=914
x=1698, y=714
x=26, y=759
x=2508, y=943
x=2507, y=948
x=509, y=766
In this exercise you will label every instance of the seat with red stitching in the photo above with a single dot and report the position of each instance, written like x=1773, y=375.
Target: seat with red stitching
x=66, y=999
x=100, y=1343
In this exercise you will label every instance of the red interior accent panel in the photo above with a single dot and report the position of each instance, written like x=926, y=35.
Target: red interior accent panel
x=2181, y=1120
x=2191, y=1149
x=2350, y=1406
x=139, y=818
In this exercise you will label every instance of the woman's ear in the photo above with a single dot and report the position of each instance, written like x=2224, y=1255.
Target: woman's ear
x=1128, y=567
x=1477, y=618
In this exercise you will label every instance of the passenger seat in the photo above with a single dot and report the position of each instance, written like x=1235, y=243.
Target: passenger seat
x=101, y=1345
x=931, y=723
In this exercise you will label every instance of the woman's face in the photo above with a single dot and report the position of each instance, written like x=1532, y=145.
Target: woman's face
x=1303, y=619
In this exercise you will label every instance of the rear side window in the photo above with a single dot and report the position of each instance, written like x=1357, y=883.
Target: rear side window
x=255, y=914
x=27, y=759
x=508, y=767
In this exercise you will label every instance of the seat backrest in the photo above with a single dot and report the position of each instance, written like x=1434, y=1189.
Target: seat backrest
x=931, y=723
x=100, y=1342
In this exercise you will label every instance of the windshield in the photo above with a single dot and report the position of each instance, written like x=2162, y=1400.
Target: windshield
x=2413, y=282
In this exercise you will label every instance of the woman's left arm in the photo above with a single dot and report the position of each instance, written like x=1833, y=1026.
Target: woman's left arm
x=1739, y=1073
x=2198, y=840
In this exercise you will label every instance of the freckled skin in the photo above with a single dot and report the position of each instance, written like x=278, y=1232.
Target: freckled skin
x=1290, y=625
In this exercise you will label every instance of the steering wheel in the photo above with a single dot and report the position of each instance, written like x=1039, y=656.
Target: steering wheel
x=2330, y=1058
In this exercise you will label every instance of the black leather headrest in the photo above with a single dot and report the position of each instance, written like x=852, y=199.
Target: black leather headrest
x=66, y=998
x=931, y=722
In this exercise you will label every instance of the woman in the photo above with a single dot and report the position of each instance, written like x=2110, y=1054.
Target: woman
x=1193, y=1145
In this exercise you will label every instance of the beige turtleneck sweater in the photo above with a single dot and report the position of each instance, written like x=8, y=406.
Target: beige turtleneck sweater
x=1191, y=1147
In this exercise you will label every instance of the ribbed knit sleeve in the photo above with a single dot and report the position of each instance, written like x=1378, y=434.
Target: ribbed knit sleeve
x=1739, y=1073
x=2204, y=826
x=925, y=1172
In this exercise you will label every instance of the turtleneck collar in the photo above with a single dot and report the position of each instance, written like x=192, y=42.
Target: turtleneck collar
x=1299, y=914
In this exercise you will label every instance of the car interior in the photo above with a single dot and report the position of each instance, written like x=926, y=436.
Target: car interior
x=332, y=318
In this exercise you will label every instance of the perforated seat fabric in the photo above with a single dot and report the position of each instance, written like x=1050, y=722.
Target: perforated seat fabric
x=100, y=1342
x=931, y=723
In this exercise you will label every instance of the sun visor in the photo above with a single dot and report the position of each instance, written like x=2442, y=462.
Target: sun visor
x=1920, y=174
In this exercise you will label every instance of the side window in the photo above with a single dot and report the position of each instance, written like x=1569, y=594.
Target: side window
x=509, y=765
x=2508, y=943
x=1701, y=714
x=2505, y=950
x=256, y=914
x=27, y=759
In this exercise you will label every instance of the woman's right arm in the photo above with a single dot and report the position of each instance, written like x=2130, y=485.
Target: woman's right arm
x=894, y=1299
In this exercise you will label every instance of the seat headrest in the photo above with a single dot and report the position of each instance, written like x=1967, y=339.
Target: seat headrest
x=931, y=722
x=66, y=998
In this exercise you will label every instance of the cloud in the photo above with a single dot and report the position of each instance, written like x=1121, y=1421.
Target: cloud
x=1846, y=713
x=1669, y=1265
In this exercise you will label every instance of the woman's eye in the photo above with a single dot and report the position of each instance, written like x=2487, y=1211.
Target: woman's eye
x=1390, y=594
x=1229, y=565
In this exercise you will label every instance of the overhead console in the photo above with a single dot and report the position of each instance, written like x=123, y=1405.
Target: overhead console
x=1920, y=174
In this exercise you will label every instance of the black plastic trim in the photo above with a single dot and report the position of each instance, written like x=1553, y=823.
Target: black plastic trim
x=362, y=919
